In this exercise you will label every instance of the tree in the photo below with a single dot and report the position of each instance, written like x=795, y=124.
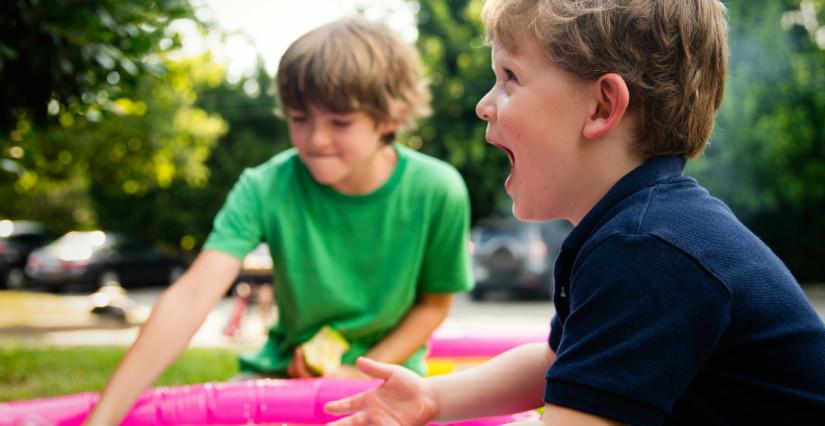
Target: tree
x=254, y=135
x=458, y=64
x=76, y=56
x=767, y=154
x=98, y=125
x=142, y=163
x=120, y=170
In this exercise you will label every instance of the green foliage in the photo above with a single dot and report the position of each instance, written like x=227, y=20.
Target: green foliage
x=116, y=172
x=767, y=154
x=97, y=124
x=254, y=135
x=79, y=55
x=27, y=372
x=458, y=64
x=161, y=143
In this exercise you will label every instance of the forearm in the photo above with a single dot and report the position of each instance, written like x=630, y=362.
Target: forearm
x=414, y=330
x=175, y=318
x=155, y=348
x=511, y=382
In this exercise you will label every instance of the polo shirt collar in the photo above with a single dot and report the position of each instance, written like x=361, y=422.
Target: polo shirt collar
x=647, y=174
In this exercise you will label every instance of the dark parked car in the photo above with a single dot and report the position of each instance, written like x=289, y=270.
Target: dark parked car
x=18, y=238
x=91, y=259
x=256, y=267
x=516, y=257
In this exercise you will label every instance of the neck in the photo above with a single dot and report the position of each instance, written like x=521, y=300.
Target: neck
x=606, y=163
x=372, y=174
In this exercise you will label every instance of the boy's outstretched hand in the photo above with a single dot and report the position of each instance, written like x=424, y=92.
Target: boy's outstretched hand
x=403, y=399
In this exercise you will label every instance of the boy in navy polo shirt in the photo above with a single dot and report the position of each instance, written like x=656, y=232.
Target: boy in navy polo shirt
x=669, y=311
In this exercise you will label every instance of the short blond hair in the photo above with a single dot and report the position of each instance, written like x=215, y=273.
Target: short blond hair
x=673, y=54
x=353, y=64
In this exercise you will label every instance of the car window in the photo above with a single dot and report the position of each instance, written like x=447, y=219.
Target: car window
x=91, y=238
x=26, y=238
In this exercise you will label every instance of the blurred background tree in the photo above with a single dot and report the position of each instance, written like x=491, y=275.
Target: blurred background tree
x=451, y=43
x=97, y=114
x=766, y=158
x=76, y=56
x=255, y=134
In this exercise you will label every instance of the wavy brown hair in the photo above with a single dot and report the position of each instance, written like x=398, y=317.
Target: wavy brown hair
x=673, y=54
x=353, y=64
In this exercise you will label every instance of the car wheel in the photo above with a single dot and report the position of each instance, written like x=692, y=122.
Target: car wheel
x=108, y=277
x=15, y=280
x=175, y=273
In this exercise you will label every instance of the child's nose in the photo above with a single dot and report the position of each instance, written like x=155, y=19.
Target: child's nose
x=318, y=136
x=485, y=109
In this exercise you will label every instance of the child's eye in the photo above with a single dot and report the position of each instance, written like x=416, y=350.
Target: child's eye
x=510, y=75
x=297, y=118
x=341, y=123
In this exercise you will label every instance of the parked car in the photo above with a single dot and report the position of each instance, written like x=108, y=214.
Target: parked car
x=515, y=257
x=256, y=267
x=18, y=238
x=91, y=259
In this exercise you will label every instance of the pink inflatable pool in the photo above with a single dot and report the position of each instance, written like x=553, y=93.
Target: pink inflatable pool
x=457, y=342
x=253, y=402
x=263, y=401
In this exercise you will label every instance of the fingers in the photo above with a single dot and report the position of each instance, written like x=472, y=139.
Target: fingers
x=301, y=365
x=359, y=419
x=376, y=369
x=290, y=369
x=297, y=368
x=345, y=405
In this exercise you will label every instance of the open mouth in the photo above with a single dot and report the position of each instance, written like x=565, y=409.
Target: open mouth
x=509, y=154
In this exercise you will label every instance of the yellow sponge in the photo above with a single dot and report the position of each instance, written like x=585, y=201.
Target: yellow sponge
x=322, y=353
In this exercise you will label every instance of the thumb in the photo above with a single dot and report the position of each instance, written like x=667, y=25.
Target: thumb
x=378, y=370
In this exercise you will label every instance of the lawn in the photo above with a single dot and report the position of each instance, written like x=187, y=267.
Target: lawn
x=37, y=372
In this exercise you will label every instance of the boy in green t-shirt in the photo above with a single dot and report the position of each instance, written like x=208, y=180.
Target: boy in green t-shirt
x=367, y=237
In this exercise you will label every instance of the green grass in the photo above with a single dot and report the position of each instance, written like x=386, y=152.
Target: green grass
x=38, y=372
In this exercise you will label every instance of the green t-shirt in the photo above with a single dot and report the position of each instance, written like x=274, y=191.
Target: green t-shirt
x=356, y=263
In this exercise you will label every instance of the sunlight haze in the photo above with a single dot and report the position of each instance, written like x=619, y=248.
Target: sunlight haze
x=267, y=27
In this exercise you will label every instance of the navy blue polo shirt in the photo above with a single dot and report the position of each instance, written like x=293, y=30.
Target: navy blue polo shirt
x=670, y=311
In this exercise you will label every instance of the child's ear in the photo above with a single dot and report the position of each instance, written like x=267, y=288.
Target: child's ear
x=389, y=128
x=612, y=98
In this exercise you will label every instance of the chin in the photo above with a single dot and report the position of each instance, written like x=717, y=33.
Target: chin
x=523, y=214
x=326, y=178
x=531, y=214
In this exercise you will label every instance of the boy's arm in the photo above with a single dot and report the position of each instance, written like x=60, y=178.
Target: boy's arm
x=511, y=382
x=175, y=318
x=414, y=329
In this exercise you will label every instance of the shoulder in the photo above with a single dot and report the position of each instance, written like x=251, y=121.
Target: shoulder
x=280, y=163
x=695, y=226
x=431, y=173
x=278, y=168
x=676, y=210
